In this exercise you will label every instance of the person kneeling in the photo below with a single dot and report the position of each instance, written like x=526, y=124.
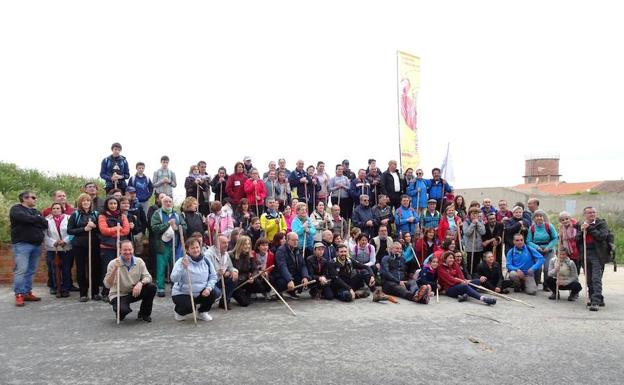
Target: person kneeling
x=290, y=268
x=452, y=280
x=562, y=271
x=351, y=277
x=522, y=262
x=319, y=270
x=394, y=282
x=202, y=283
x=135, y=283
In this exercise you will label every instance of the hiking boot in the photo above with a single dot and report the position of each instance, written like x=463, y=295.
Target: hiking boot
x=362, y=293
x=462, y=298
x=593, y=307
x=553, y=296
x=573, y=297
x=144, y=317
x=96, y=297
x=489, y=301
x=19, y=300
x=378, y=295
x=31, y=297
x=161, y=293
x=423, y=291
x=65, y=294
x=84, y=299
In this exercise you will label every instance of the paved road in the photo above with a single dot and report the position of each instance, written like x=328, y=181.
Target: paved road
x=62, y=341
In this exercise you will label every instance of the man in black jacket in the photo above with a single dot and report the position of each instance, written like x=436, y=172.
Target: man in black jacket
x=318, y=268
x=27, y=229
x=350, y=277
x=393, y=184
x=492, y=240
x=290, y=268
x=596, y=233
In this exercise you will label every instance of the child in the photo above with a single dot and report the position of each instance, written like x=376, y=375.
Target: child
x=143, y=186
x=255, y=231
x=428, y=275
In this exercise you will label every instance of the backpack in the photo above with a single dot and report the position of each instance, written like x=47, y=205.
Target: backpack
x=546, y=225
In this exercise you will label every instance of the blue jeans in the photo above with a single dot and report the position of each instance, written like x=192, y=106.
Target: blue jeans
x=26, y=258
x=66, y=262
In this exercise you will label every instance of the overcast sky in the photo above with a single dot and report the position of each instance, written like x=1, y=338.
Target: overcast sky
x=219, y=80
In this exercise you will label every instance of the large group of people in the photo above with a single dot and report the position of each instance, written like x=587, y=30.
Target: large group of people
x=248, y=236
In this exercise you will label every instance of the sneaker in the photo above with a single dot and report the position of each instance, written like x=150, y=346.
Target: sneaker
x=161, y=293
x=204, y=316
x=489, y=301
x=423, y=291
x=31, y=297
x=573, y=297
x=462, y=298
x=593, y=307
x=84, y=299
x=601, y=304
x=378, y=295
x=292, y=294
x=96, y=297
x=74, y=288
x=178, y=317
x=553, y=296
x=19, y=300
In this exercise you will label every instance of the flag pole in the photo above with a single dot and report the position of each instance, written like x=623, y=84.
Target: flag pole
x=398, y=107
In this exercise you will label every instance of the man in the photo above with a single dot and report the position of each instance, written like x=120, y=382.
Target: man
x=91, y=189
x=136, y=209
x=393, y=184
x=59, y=197
x=318, y=268
x=430, y=219
x=374, y=179
x=394, y=282
x=328, y=241
x=438, y=188
x=594, y=233
x=382, y=212
x=114, y=169
x=381, y=242
x=272, y=221
x=282, y=167
x=27, y=231
x=532, y=206
x=360, y=186
x=341, y=226
x=522, y=263
x=487, y=208
x=151, y=260
x=166, y=220
x=417, y=190
x=503, y=212
x=352, y=279
x=290, y=268
x=492, y=239
x=406, y=218
x=218, y=255
x=347, y=172
x=364, y=218
x=248, y=165
x=562, y=271
x=272, y=167
x=135, y=284
x=204, y=206
x=300, y=180
x=164, y=180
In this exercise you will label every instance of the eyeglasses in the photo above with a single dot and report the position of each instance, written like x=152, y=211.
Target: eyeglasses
x=419, y=173
x=32, y=197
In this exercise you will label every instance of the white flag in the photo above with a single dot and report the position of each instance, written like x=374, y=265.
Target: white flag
x=446, y=169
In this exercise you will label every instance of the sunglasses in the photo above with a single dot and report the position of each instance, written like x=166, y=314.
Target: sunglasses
x=32, y=197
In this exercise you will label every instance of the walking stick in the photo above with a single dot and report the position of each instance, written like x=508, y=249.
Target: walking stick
x=221, y=192
x=89, y=287
x=118, y=272
x=256, y=200
x=303, y=284
x=585, y=267
x=188, y=273
x=305, y=236
x=498, y=294
x=503, y=256
x=197, y=197
x=416, y=256
x=474, y=240
x=459, y=236
x=278, y=295
x=437, y=295
x=57, y=272
x=253, y=277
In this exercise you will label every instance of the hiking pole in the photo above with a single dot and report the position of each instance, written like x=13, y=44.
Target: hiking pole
x=474, y=240
x=57, y=271
x=499, y=294
x=89, y=287
x=188, y=273
x=278, y=295
x=304, y=284
x=253, y=277
x=585, y=267
x=256, y=199
x=437, y=295
x=503, y=256
x=118, y=272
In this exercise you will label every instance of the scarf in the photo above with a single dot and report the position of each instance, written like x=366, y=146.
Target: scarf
x=57, y=222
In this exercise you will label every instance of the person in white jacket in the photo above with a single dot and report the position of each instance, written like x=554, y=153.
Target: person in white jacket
x=222, y=263
x=58, y=248
x=203, y=280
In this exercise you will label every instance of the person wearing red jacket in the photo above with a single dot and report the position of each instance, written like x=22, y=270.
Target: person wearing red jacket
x=108, y=222
x=426, y=246
x=256, y=192
x=453, y=282
x=235, y=185
x=449, y=221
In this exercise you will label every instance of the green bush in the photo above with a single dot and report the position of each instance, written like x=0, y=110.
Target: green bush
x=14, y=180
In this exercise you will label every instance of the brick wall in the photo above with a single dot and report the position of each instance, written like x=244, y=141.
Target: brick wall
x=7, y=264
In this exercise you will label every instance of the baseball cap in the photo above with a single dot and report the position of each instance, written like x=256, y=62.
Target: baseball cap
x=319, y=244
x=130, y=189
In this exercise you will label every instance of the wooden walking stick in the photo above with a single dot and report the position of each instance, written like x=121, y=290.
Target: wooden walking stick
x=416, y=256
x=437, y=295
x=303, y=284
x=188, y=274
x=278, y=295
x=585, y=267
x=498, y=294
x=57, y=263
x=118, y=272
x=256, y=201
x=474, y=240
x=89, y=287
x=197, y=198
x=503, y=256
x=253, y=277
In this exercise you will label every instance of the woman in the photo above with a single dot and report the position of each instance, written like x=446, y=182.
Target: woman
x=460, y=207
x=337, y=240
x=339, y=192
x=284, y=194
x=417, y=190
x=515, y=225
x=58, y=245
x=242, y=215
x=109, y=222
x=321, y=220
x=271, y=187
x=428, y=275
x=490, y=275
x=313, y=188
x=567, y=230
x=236, y=233
x=202, y=283
x=133, y=218
x=255, y=231
x=411, y=265
x=218, y=222
x=302, y=225
x=193, y=218
x=449, y=223
x=264, y=259
x=278, y=240
x=246, y=266
x=235, y=185
x=473, y=231
x=219, y=183
x=195, y=186
x=562, y=271
x=323, y=181
x=427, y=245
x=256, y=193
x=82, y=223
x=409, y=176
x=289, y=215
x=363, y=251
x=452, y=280
x=542, y=237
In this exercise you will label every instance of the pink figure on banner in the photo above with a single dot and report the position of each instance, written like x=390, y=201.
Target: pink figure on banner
x=408, y=104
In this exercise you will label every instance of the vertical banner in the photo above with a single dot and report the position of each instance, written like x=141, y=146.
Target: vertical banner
x=408, y=83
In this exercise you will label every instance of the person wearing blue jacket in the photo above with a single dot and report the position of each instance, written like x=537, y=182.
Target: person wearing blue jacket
x=417, y=190
x=202, y=284
x=143, y=186
x=438, y=187
x=364, y=217
x=522, y=263
x=114, y=170
x=542, y=237
x=302, y=225
x=290, y=267
x=360, y=186
x=406, y=218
